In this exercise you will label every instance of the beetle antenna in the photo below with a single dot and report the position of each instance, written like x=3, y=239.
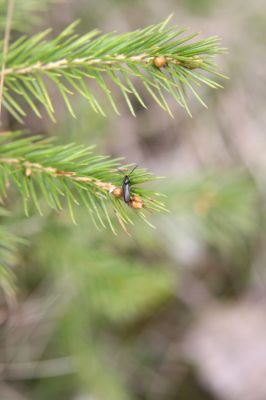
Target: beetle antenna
x=133, y=170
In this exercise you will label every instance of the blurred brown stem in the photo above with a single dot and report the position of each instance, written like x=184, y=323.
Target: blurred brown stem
x=37, y=369
x=10, y=9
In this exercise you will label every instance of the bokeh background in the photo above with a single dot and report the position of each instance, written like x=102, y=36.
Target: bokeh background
x=173, y=313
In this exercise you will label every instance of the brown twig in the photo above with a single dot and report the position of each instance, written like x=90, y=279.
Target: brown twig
x=29, y=166
x=190, y=63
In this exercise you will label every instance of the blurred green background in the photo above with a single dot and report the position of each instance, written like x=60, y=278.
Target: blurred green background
x=172, y=313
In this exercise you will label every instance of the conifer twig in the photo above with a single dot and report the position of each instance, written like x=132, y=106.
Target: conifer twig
x=163, y=59
x=30, y=167
x=35, y=165
x=111, y=60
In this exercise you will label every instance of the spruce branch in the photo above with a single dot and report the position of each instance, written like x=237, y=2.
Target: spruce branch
x=162, y=58
x=37, y=166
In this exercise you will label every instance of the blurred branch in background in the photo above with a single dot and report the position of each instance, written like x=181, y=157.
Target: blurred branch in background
x=26, y=10
x=8, y=252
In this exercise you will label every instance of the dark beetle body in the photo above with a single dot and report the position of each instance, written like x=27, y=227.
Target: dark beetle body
x=126, y=189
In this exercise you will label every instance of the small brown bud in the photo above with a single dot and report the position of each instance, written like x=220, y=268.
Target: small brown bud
x=117, y=192
x=160, y=61
x=136, y=202
x=28, y=172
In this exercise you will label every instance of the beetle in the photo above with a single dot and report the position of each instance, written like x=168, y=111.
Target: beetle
x=126, y=187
